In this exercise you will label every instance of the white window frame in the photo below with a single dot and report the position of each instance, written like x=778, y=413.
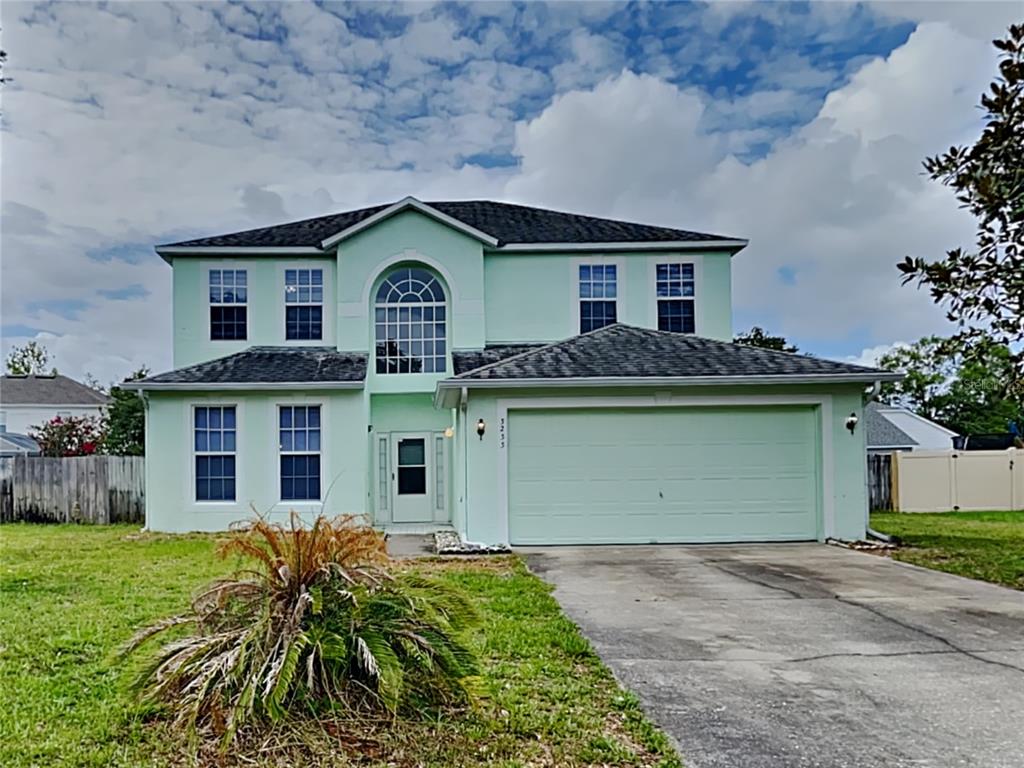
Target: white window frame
x=574, y=287
x=209, y=303
x=697, y=262
x=286, y=304
x=193, y=454
x=281, y=452
x=447, y=305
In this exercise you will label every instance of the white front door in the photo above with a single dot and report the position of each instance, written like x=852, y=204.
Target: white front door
x=410, y=477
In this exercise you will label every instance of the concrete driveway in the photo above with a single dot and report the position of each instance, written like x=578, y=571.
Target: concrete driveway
x=803, y=655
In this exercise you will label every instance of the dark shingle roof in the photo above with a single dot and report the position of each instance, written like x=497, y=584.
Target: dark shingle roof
x=617, y=351
x=506, y=222
x=882, y=433
x=270, y=365
x=48, y=390
x=467, y=360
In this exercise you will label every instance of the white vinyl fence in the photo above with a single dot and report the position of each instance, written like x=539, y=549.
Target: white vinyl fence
x=941, y=481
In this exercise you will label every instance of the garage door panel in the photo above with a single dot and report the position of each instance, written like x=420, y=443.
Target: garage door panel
x=648, y=475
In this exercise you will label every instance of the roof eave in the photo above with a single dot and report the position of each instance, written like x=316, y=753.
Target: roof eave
x=167, y=252
x=408, y=203
x=235, y=386
x=455, y=384
x=733, y=246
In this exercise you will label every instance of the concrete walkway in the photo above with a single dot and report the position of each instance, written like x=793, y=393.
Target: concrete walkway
x=406, y=545
x=803, y=655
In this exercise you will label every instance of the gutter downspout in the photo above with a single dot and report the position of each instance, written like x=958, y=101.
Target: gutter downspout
x=869, y=396
x=145, y=426
x=464, y=439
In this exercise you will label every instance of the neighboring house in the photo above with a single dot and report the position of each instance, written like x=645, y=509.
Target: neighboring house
x=32, y=400
x=892, y=428
x=524, y=375
x=13, y=444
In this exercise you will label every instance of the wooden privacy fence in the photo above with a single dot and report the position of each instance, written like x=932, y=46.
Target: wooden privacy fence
x=82, y=489
x=940, y=481
x=880, y=482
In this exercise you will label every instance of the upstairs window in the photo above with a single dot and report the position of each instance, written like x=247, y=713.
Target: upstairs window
x=229, y=295
x=598, y=290
x=214, y=448
x=304, y=304
x=675, y=289
x=410, y=323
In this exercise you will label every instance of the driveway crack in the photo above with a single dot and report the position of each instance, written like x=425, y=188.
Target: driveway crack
x=887, y=654
x=931, y=635
x=750, y=579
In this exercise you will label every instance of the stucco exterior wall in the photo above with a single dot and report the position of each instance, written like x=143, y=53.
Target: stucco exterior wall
x=409, y=238
x=493, y=297
x=265, y=315
x=534, y=296
x=845, y=483
x=170, y=496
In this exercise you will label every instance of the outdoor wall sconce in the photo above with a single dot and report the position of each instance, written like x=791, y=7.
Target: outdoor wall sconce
x=481, y=427
x=449, y=432
x=851, y=422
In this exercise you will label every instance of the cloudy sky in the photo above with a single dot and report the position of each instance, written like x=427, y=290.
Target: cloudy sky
x=801, y=127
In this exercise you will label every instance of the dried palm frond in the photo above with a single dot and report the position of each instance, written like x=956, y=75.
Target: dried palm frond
x=317, y=623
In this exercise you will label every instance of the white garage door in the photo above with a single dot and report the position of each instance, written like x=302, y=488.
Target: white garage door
x=629, y=475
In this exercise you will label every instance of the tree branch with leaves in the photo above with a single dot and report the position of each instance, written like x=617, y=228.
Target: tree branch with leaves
x=982, y=289
x=31, y=359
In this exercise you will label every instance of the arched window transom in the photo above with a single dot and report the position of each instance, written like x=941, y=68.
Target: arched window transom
x=410, y=323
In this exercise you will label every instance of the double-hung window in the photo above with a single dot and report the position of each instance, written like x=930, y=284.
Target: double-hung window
x=598, y=289
x=229, y=294
x=213, y=433
x=299, y=436
x=304, y=304
x=675, y=287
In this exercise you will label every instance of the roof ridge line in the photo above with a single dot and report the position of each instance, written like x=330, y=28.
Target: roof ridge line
x=591, y=216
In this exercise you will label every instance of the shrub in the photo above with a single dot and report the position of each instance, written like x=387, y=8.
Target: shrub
x=317, y=624
x=68, y=436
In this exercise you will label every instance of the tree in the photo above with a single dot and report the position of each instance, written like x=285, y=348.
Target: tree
x=125, y=420
x=757, y=337
x=983, y=290
x=29, y=359
x=966, y=390
x=69, y=436
x=927, y=370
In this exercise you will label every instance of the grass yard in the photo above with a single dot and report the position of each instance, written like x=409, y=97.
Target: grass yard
x=981, y=545
x=69, y=596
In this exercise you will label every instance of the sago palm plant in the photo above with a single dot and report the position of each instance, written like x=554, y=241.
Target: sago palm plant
x=316, y=624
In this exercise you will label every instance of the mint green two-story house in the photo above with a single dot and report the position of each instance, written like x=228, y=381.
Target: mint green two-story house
x=523, y=376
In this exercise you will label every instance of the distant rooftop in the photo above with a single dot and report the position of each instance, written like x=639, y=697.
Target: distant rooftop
x=45, y=389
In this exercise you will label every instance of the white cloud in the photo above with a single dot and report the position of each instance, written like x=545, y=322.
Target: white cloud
x=128, y=124
x=871, y=355
x=840, y=201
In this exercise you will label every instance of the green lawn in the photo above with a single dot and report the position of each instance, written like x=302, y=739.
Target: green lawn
x=69, y=596
x=980, y=545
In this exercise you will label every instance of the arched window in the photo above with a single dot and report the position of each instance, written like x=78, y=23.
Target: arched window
x=410, y=320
